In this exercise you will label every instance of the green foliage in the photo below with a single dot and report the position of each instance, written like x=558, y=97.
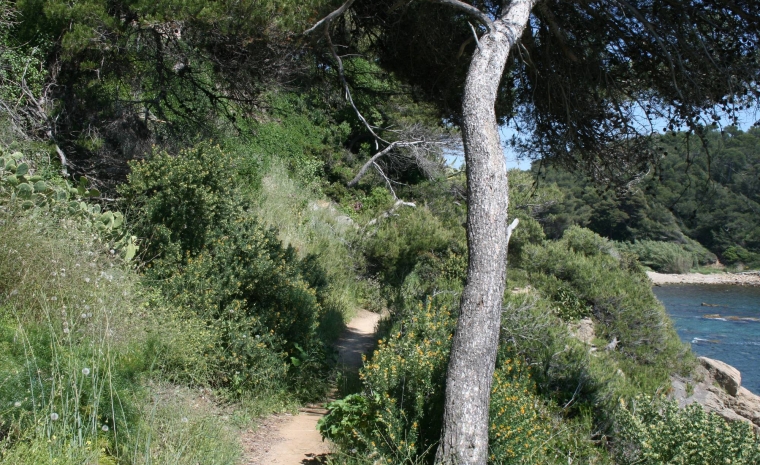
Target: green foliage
x=346, y=418
x=22, y=65
x=213, y=259
x=399, y=241
x=397, y=419
x=622, y=305
x=568, y=304
x=655, y=431
x=298, y=133
x=737, y=254
x=166, y=73
x=78, y=335
x=313, y=227
x=668, y=257
x=181, y=200
x=21, y=184
x=520, y=427
x=704, y=190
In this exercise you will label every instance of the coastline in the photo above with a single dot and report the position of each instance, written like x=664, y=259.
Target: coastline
x=738, y=279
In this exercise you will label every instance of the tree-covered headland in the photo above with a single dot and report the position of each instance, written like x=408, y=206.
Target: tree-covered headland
x=195, y=196
x=698, y=204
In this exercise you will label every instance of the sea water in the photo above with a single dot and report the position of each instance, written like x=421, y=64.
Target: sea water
x=720, y=322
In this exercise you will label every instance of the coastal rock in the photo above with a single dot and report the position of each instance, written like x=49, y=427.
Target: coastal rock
x=728, y=377
x=707, y=387
x=748, y=405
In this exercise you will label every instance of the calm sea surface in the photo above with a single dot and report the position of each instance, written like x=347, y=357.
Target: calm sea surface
x=727, y=328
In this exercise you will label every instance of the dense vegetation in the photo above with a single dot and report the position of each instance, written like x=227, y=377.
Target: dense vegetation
x=699, y=203
x=176, y=231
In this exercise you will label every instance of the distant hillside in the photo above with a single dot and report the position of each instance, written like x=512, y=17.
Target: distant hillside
x=707, y=192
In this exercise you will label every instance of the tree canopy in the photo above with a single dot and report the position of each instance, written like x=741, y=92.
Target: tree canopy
x=588, y=78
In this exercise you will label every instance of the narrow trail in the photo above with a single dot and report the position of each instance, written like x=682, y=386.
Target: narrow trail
x=294, y=439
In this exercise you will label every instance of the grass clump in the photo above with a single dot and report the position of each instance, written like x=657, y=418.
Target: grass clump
x=79, y=336
x=668, y=257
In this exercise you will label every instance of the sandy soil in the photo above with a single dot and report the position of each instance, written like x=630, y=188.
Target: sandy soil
x=741, y=279
x=294, y=439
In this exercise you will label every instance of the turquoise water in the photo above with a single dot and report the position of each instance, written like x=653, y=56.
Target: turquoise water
x=727, y=330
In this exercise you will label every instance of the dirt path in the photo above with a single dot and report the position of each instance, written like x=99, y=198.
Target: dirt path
x=294, y=439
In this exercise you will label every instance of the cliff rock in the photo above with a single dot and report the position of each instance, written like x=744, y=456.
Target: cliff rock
x=717, y=387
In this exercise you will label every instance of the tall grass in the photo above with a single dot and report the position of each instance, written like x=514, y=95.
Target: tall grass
x=306, y=220
x=79, y=337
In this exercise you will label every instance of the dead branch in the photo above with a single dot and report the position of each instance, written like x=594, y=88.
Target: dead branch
x=42, y=115
x=325, y=22
x=347, y=89
x=379, y=154
x=391, y=212
x=387, y=181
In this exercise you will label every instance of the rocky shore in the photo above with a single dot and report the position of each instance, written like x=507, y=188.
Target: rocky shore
x=739, y=279
x=717, y=386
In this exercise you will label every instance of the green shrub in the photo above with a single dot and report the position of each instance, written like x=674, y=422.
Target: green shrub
x=180, y=201
x=399, y=241
x=397, y=418
x=618, y=294
x=668, y=257
x=736, y=255
x=621, y=301
x=215, y=260
x=654, y=431
x=520, y=426
x=79, y=334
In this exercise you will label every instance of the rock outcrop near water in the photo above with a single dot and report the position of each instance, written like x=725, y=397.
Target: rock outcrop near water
x=717, y=387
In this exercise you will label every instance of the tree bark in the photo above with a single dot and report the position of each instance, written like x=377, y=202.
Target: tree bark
x=464, y=437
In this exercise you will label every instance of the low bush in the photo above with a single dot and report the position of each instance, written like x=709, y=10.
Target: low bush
x=211, y=257
x=654, y=431
x=396, y=244
x=668, y=257
x=621, y=301
x=739, y=256
x=397, y=418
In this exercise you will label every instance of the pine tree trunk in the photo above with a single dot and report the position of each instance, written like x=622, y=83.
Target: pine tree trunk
x=464, y=438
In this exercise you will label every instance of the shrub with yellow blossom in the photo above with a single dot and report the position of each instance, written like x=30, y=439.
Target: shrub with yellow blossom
x=397, y=419
x=655, y=431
